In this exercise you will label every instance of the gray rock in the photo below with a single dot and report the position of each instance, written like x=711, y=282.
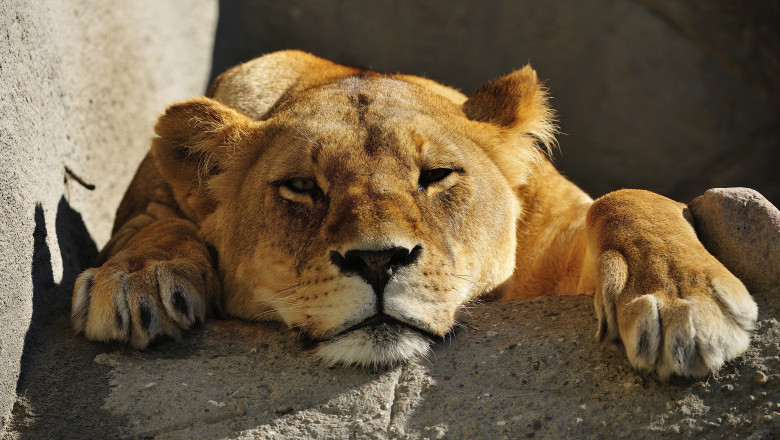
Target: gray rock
x=545, y=376
x=742, y=229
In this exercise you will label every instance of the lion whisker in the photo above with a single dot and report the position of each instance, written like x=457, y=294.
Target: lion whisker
x=466, y=279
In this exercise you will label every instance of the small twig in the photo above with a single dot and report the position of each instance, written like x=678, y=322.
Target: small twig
x=78, y=179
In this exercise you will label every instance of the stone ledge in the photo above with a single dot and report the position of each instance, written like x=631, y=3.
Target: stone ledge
x=515, y=369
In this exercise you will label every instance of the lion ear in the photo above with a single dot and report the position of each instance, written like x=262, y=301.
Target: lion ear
x=517, y=102
x=198, y=139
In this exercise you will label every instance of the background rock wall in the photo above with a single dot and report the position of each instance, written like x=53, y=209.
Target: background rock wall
x=671, y=96
x=80, y=85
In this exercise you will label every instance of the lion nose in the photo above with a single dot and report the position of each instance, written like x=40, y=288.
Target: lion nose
x=375, y=267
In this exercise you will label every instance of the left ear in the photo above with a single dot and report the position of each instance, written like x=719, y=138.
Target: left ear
x=199, y=140
x=518, y=103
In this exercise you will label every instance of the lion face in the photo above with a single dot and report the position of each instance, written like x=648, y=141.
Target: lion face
x=365, y=212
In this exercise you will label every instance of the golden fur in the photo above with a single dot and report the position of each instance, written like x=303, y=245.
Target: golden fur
x=367, y=209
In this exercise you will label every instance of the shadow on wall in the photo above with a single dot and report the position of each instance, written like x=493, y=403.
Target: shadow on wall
x=51, y=300
x=51, y=350
x=674, y=97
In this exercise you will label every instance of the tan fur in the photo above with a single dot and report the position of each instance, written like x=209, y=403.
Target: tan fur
x=367, y=209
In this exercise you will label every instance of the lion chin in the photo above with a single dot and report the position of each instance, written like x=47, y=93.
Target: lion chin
x=382, y=345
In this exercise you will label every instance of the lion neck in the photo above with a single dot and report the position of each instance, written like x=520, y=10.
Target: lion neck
x=551, y=243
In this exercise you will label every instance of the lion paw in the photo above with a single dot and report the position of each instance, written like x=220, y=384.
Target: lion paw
x=134, y=299
x=688, y=334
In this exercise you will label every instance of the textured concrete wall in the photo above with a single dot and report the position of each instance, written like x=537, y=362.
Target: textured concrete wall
x=672, y=96
x=80, y=85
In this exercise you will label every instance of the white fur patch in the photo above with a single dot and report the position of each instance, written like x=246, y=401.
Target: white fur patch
x=379, y=346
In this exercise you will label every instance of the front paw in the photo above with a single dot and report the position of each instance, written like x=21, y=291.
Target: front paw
x=688, y=323
x=135, y=297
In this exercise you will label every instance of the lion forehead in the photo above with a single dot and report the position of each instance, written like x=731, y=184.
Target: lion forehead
x=381, y=117
x=374, y=96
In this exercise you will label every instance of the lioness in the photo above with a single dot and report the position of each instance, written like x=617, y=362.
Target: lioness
x=367, y=209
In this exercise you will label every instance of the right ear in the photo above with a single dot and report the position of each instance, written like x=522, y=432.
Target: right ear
x=516, y=102
x=199, y=139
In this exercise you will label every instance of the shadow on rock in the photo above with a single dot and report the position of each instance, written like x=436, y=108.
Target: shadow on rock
x=60, y=389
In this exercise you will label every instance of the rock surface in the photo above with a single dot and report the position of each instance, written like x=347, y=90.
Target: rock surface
x=742, y=229
x=516, y=369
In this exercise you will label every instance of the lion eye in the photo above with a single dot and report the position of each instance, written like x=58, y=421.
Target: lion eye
x=301, y=185
x=432, y=176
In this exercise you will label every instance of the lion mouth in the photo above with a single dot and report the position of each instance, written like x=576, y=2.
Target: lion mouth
x=378, y=320
x=379, y=341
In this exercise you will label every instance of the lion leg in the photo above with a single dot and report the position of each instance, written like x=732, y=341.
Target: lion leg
x=676, y=308
x=159, y=281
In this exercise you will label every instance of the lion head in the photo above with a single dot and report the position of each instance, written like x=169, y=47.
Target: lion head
x=364, y=209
